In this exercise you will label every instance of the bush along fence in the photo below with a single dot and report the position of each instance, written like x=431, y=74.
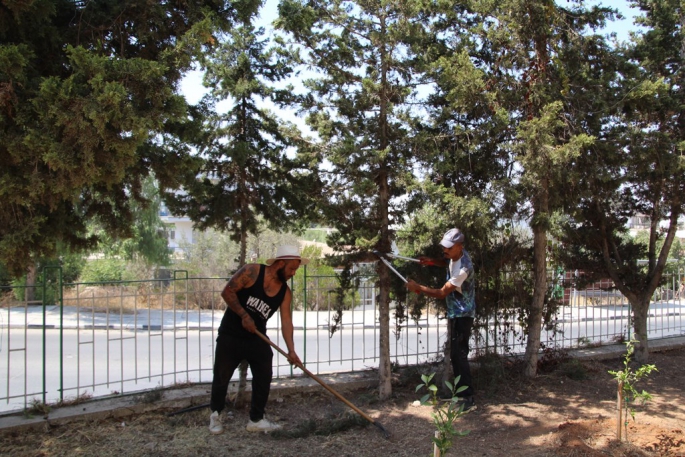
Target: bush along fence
x=60, y=342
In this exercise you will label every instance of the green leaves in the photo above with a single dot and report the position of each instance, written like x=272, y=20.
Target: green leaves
x=84, y=89
x=445, y=414
x=626, y=379
x=248, y=167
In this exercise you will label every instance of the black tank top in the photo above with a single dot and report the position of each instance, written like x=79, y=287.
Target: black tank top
x=258, y=305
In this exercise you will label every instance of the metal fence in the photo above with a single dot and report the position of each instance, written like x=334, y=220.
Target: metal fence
x=100, y=339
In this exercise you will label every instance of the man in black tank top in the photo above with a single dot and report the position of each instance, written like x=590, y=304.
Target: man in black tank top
x=253, y=294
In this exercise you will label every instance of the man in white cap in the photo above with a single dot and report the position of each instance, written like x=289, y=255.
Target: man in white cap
x=253, y=294
x=459, y=290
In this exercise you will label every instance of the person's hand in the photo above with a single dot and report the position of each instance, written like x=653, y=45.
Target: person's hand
x=294, y=359
x=248, y=323
x=426, y=261
x=413, y=286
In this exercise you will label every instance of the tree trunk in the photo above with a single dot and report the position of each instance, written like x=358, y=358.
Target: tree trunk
x=448, y=373
x=240, y=399
x=30, y=291
x=540, y=282
x=619, y=411
x=384, y=369
x=243, y=232
x=640, y=313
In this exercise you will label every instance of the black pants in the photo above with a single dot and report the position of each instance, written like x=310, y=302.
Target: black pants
x=229, y=353
x=459, y=353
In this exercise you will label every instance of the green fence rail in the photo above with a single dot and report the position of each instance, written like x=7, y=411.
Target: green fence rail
x=117, y=337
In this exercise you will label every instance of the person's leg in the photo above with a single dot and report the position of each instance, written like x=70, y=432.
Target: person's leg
x=459, y=353
x=226, y=359
x=260, y=360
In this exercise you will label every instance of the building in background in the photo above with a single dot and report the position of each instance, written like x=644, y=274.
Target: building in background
x=180, y=230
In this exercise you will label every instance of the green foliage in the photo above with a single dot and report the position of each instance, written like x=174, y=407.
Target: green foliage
x=246, y=173
x=573, y=369
x=104, y=271
x=322, y=282
x=146, y=241
x=445, y=413
x=4, y=276
x=347, y=283
x=626, y=380
x=36, y=407
x=49, y=272
x=211, y=254
x=315, y=234
x=87, y=91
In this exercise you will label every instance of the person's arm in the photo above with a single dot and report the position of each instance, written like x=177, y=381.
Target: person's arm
x=443, y=292
x=432, y=262
x=287, y=329
x=453, y=284
x=243, y=278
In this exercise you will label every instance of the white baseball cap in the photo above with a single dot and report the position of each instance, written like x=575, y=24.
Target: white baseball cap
x=452, y=237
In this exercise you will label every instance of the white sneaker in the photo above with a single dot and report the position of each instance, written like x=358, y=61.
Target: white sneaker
x=215, y=426
x=262, y=426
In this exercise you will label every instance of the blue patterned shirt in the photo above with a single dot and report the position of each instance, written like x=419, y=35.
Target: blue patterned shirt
x=461, y=274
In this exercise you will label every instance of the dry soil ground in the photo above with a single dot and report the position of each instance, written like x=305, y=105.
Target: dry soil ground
x=569, y=410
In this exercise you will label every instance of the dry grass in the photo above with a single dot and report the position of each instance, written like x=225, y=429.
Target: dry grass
x=555, y=414
x=132, y=298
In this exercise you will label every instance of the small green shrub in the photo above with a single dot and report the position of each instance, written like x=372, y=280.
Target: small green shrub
x=104, y=271
x=627, y=393
x=445, y=413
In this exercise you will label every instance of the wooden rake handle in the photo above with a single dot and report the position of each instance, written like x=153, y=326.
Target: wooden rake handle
x=326, y=386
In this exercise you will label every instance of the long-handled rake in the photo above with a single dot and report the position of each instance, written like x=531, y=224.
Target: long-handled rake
x=189, y=409
x=386, y=434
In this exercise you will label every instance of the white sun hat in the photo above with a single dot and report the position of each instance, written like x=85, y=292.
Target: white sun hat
x=288, y=252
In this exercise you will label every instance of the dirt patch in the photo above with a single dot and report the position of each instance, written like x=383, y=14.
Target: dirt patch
x=568, y=410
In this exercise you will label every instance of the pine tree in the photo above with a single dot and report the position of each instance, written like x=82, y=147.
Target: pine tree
x=641, y=170
x=508, y=123
x=250, y=168
x=546, y=60
x=359, y=105
x=84, y=89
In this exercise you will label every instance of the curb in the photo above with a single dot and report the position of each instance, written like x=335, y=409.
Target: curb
x=174, y=399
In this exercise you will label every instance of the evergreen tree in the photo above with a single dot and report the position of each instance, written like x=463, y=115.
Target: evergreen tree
x=547, y=58
x=359, y=104
x=644, y=174
x=250, y=167
x=511, y=114
x=84, y=88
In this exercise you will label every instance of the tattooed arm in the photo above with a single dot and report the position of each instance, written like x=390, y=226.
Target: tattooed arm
x=243, y=278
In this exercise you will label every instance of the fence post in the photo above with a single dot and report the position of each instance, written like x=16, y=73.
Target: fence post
x=304, y=325
x=60, y=296
x=173, y=330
